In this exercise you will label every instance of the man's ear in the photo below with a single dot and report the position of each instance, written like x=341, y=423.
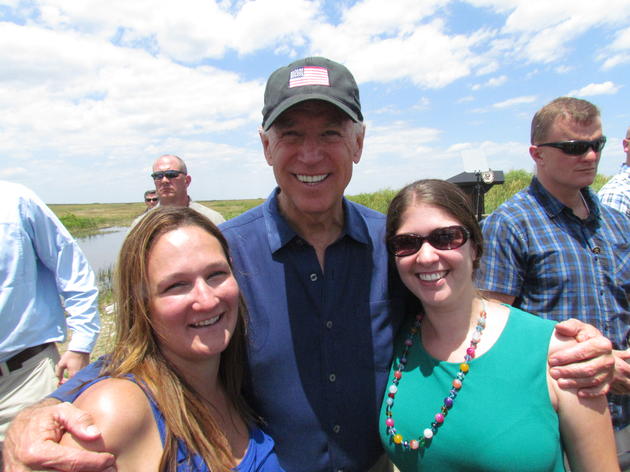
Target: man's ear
x=534, y=151
x=264, y=139
x=360, y=136
x=188, y=180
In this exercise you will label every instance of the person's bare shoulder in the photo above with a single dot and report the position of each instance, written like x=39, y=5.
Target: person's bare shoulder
x=123, y=414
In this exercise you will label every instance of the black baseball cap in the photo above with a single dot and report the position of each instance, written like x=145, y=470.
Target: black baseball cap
x=311, y=78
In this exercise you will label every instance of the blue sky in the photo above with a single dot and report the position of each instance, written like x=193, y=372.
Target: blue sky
x=92, y=91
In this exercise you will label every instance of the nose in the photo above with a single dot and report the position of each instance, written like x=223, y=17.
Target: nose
x=426, y=254
x=205, y=298
x=591, y=155
x=311, y=149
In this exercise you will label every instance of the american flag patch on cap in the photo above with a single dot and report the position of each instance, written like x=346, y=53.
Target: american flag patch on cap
x=309, y=75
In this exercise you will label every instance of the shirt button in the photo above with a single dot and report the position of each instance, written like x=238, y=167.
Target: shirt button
x=332, y=377
x=336, y=428
x=329, y=324
x=597, y=250
x=313, y=277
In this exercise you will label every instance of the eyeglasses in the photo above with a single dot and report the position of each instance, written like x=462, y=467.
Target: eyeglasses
x=169, y=174
x=450, y=237
x=577, y=148
x=154, y=199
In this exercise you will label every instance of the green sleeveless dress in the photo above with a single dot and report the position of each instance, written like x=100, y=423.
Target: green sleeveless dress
x=502, y=418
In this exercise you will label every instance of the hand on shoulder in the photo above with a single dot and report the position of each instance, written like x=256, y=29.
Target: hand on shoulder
x=122, y=412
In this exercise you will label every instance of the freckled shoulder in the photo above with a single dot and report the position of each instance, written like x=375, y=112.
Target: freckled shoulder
x=123, y=414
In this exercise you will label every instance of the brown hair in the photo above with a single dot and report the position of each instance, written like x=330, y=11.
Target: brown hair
x=569, y=108
x=441, y=194
x=137, y=351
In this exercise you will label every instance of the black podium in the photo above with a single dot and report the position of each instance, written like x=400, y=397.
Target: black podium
x=476, y=184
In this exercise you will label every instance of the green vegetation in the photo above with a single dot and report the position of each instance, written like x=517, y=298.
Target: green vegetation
x=84, y=220
x=378, y=201
x=80, y=224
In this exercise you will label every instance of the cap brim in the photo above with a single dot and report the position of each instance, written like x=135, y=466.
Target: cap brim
x=291, y=101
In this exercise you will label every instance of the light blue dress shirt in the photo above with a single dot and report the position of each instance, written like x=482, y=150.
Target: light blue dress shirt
x=42, y=271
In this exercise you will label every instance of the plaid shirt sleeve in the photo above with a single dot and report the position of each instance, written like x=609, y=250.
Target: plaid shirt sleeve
x=502, y=267
x=616, y=192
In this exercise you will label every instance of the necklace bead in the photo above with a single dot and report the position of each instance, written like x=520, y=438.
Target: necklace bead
x=439, y=418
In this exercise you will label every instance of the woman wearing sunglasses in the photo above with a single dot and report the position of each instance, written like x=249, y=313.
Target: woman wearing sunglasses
x=469, y=387
x=168, y=397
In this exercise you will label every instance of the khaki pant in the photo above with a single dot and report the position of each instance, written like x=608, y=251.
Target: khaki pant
x=26, y=385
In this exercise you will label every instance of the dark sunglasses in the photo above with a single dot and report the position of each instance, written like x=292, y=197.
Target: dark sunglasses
x=577, y=148
x=169, y=174
x=151, y=199
x=443, y=239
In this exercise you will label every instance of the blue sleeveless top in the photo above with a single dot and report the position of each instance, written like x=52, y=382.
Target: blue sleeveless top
x=260, y=455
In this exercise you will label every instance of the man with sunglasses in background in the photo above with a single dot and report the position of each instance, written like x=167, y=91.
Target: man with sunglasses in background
x=150, y=199
x=171, y=183
x=554, y=250
x=616, y=192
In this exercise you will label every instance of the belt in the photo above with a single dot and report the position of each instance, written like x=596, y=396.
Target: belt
x=16, y=362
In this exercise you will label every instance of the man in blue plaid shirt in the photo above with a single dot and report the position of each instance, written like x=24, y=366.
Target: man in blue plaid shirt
x=555, y=251
x=616, y=192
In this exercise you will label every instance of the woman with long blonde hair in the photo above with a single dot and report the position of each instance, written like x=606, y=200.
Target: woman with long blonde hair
x=168, y=397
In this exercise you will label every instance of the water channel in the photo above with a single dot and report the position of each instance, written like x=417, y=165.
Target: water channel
x=102, y=249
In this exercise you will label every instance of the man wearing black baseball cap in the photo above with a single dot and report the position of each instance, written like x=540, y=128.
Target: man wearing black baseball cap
x=313, y=269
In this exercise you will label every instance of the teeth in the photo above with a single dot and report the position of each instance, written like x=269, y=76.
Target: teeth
x=311, y=179
x=209, y=322
x=432, y=277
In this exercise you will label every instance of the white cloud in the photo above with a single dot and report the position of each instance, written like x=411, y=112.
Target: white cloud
x=605, y=88
x=492, y=82
x=12, y=172
x=618, y=52
x=515, y=101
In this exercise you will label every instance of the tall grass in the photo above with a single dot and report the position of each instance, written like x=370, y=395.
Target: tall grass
x=75, y=224
x=378, y=201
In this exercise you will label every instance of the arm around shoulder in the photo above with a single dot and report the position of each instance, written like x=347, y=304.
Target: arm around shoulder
x=122, y=413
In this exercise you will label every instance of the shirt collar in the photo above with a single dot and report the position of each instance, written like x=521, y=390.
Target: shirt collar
x=280, y=233
x=554, y=207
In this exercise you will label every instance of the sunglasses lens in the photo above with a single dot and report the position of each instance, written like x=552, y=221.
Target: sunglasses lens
x=575, y=149
x=599, y=144
x=404, y=244
x=448, y=238
x=169, y=174
x=443, y=239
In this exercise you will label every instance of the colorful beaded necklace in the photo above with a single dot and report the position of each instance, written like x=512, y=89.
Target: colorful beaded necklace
x=424, y=440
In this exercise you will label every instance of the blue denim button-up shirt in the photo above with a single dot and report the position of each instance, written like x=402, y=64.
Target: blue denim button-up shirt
x=321, y=341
